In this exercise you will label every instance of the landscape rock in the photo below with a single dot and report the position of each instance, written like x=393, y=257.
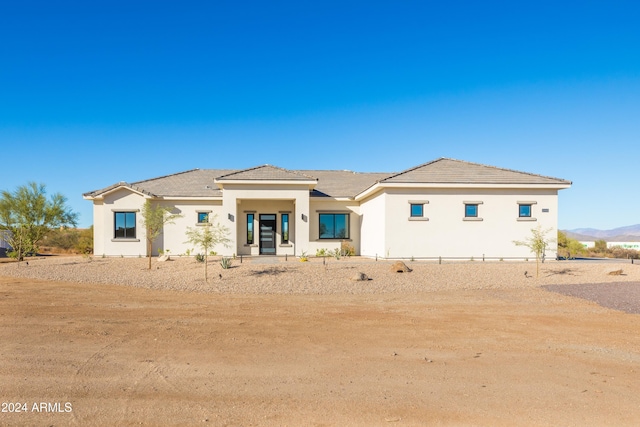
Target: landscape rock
x=400, y=267
x=359, y=277
x=164, y=258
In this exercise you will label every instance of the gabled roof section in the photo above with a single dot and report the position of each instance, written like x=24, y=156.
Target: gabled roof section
x=115, y=187
x=192, y=183
x=265, y=173
x=451, y=171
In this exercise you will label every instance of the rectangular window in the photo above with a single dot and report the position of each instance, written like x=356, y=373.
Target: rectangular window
x=203, y=217
x=125, y=225
x=285, y=228
x=524, y=211
x=417, y=210
x=250, y=229
x=471, y=210
x=334, y=226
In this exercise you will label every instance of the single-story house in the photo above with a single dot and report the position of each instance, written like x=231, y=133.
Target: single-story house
x=443, y=208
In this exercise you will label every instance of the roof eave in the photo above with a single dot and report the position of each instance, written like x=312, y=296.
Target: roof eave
x=380, y=185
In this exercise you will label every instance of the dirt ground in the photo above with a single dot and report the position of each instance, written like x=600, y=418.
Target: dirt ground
x=88, y=354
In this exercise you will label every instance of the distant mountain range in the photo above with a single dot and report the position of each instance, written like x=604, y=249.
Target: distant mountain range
x=630, y=233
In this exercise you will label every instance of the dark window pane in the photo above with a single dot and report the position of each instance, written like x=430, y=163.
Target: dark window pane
x=417, y=210
x=203, y=217
x=471, y=211
x=326, y=226
x=341, y=227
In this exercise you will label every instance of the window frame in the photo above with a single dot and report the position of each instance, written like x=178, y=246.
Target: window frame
x=347, y=228
x=522, y=205
x=467, y=214
x=115, y=225
x=208, y=215
x=284, y=228
x=250, y=235
x=413, y=214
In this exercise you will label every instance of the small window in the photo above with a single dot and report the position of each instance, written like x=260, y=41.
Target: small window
x=524, y=211
x=471, y=210
x=417, y=210
x=334, y=226
x=125, y=225
x=203, y=217
x=285, y=228
x=250, y=229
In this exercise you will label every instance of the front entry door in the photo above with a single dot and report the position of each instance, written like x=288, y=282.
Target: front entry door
x=267, y=234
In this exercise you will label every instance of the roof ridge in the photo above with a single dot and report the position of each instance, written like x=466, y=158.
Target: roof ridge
x=292, y=171
x=393, y=175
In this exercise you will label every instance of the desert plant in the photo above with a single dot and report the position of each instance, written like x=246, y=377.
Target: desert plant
x=537, y=243
x=346, y=249
x=199, y=258
x=207, y=237
x=225, y=262
x=303, y=256
x=26, y=215
x=322, y=252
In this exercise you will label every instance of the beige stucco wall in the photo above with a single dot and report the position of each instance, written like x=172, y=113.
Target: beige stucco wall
x=174, y=236
x=446, y=232
x=322, y=205
x=373, y=230
x=380, y=225
x=103, y=240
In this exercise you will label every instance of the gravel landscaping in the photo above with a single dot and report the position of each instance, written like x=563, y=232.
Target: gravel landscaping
x=279, y=276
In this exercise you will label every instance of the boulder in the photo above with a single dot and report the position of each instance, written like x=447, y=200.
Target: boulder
x=359, y=277
x=164, y=258
x=400, y=267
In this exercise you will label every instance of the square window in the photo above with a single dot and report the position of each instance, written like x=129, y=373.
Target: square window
x=471, y=210
x=334, y=226
x=524, y=211
x=203, y=217
x=417, y=210
x=125, y=225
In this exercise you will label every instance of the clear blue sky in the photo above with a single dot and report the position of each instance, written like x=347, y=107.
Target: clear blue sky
x=96, y=92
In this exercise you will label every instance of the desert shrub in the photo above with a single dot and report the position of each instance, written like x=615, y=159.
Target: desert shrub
x=346, y=249
x=225, y=262
x=199, y=257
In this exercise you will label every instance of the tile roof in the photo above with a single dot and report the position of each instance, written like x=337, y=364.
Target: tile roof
x=331, y=183
x=451, y=171
x=266, y=173
x=336, y=183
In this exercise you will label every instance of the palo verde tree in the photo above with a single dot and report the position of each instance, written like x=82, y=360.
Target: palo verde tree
x=27, y=215
x=154, y=218
x=537, y=243
x=206, y=237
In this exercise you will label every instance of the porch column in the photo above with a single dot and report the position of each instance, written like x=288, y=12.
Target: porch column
x=302, y=222
x=229, y=219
